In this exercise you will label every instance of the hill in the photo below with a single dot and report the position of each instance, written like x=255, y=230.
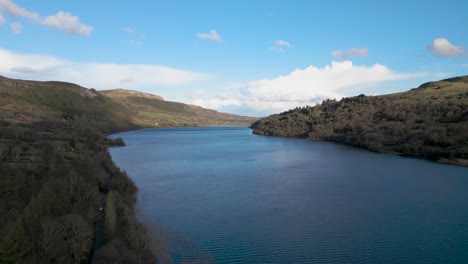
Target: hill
x=149, y=110
x=62, y=199
x=59, y=103
x=32, y=101
x=429, y=122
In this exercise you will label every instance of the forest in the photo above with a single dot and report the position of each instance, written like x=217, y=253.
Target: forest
x=429, y=122
x=62, y=199
x=53, y=182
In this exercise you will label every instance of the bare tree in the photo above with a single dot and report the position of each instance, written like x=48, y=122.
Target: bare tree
x=79, y=236
x=51, y=242
x=111, y=214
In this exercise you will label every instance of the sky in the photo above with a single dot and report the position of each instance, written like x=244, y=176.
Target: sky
x=249, y=57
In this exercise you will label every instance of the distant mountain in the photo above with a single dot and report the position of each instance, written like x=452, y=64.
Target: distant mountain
x=24, y=101
x=430, y=122
x=152, y=111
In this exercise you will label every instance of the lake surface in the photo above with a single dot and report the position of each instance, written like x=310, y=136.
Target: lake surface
x=233, y=197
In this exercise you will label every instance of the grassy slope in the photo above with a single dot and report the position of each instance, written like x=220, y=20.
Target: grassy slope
x=152, y=111
x=58, y=102
x=31, y=101
x=430, y=122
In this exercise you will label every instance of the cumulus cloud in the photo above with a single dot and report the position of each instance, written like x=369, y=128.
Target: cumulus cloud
x=94, y=75
x=441, y=47
x=212, y=35
x=353, y=52
x=61, y=20
x=16, y=28
x=68, y=23
x=11, y=8
x=305, y=87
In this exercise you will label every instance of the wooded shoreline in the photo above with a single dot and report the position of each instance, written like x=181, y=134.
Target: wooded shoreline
x=428, y=122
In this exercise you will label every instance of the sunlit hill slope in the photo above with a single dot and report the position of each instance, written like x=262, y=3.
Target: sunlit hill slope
x=32, y=101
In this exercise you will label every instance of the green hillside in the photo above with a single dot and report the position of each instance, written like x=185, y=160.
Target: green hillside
x=62, y=199
x=152, y=111
x=31, y=101
x=430, y=122
x=62, y=103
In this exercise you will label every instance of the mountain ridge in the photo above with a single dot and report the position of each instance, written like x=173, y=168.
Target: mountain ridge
x=122, y=92
x=120, y=108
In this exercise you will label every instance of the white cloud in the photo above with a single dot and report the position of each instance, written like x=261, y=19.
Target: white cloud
x=61, y=20
x=197, y=94
x=212, y=35
x=127, y=80
x=16, y=28
x=68, y=23
x=279, y=46
x=353, y=52
x=441, y=47
x=16, y=62
x=25, y=69
x=339, y=54
x=11, y=8
x=94, y=75
x=2, y=20
x=221, y=100
x=305, y=87
x=282, y=43
x=442, y=74
x=358, y=52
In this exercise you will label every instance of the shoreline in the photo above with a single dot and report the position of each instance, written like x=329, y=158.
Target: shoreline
x=454, y=162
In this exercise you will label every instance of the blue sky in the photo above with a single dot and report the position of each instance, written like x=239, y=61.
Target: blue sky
x=248, y=57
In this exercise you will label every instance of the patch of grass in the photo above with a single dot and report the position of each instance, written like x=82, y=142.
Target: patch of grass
x=163, y=119
x=160, y=104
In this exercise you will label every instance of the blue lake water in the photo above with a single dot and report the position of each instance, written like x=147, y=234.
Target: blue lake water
x=226, y=195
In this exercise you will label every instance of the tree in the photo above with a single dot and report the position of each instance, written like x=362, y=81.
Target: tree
x=51, y=243
x=110, y=214
x=14, y=243
x=79, y=236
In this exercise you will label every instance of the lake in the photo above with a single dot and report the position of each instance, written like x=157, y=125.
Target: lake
x=226, y=195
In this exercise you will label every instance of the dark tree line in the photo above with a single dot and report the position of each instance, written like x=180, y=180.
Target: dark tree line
x=52, y=183
x=429, y=122
x=56, y=174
